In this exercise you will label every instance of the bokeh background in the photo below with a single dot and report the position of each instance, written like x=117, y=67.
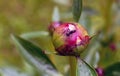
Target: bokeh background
x=23, y=16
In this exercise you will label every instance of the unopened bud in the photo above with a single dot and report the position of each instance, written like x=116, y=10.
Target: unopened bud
x=70, y=39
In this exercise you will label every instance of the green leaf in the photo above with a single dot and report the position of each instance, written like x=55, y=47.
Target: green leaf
x=34, y=55
x=113, y=70
x=83, y=69
x=35, y=34
x=77, y=9
x=56, y=14
x=12, y=71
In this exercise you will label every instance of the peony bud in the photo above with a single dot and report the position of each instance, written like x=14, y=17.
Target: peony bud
x=112, y=46
x=100, y=71
x=69, y=38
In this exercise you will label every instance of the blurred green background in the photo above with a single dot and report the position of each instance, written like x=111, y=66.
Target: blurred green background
x=23, y=16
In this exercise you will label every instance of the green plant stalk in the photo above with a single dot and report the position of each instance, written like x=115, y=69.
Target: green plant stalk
x=108, y=18
x=106, y=12
x=72, y=62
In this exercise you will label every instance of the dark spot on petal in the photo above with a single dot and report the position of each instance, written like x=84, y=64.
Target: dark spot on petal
x=70, y=32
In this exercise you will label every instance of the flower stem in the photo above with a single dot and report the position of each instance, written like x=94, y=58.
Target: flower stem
x=106, y=9
x=72, y=61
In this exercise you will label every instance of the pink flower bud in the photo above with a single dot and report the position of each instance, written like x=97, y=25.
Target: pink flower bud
x=100, y=71
x=112, y=46
x=69, y=38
